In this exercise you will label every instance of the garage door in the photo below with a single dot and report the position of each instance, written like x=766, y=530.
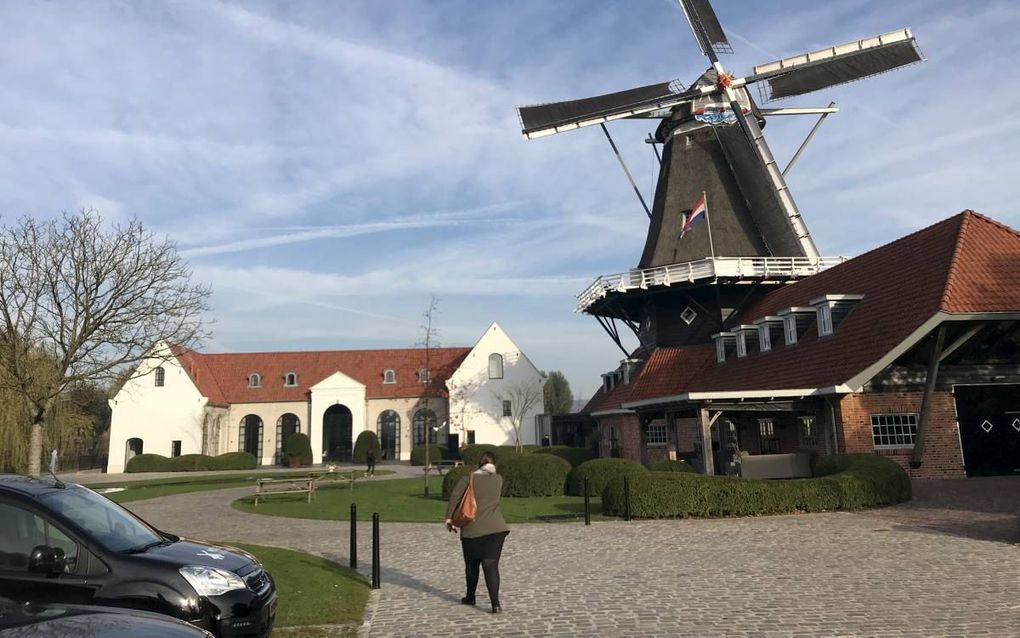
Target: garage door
x=989, y=417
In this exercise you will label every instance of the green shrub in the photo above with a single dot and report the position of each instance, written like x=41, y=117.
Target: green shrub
x=573, y=455
x=234, y=461
x=666, y=465
x=299, y=445
x=366, y=440
x=533, y=475
x=851, y=481
x=148, y=463
x=451, y=478
x=599, y=473
x=472, y=454
x=436, y=453
x=190, y=463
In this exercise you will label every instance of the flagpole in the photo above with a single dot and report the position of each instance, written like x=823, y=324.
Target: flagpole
x=708, y=221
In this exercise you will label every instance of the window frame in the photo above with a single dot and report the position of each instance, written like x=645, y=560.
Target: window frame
x=48, y=523
x=508, y=408
x=656, y=433
x=768, y=438
x=290, y=380
x=423, y=376
x=498, y=359
x=809, y=437
x=254, y=380
x=389, y=376
x=160, y=377
x=911, y=430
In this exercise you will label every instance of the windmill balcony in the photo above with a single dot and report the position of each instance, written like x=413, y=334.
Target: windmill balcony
x=735, y=269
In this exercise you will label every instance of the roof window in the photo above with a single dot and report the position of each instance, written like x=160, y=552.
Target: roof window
x=831, y=310
x=770, y=330
x=725, y=345
x=796, y=321
x=254, y=380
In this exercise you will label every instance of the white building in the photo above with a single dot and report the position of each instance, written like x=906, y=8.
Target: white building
x=187, y=402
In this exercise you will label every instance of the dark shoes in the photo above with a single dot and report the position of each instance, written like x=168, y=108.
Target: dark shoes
x=497, y=609
x=467, y=600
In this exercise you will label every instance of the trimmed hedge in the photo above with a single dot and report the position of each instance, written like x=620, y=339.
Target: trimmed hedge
x=847, y=481
x=600, y=472
x=234, y=461
x=148, y=463
x=666, y=465
x=298, y=444
x=451, y=478
x=366, y=440
x=436, y=453
x=533, y=475
x=573, y=455
x=472, y=454
x=190, y=462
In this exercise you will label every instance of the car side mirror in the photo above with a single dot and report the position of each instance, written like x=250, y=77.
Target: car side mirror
x=46, y=560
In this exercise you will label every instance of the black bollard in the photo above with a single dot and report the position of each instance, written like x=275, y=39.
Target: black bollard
x=626, y=498
x=375, y=550
x=354, y=536
x=587, y=503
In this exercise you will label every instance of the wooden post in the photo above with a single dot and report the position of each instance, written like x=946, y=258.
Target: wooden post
x=706, y=440
x=929, y=390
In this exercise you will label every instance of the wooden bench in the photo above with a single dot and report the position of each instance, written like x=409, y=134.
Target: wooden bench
x=439, y=466
x=269, y=486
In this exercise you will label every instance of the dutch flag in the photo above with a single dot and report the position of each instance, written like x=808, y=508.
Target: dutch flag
x=694, y=216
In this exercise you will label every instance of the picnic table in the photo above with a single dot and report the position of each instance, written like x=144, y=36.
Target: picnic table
x=268, y=486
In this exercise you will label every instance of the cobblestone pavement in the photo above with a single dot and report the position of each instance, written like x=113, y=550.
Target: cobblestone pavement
x=878, y=573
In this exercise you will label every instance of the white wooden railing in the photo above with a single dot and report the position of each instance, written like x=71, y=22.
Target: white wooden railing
x=749, y=268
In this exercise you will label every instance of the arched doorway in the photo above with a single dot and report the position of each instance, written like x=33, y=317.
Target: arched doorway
x=388, y=426
x=132, y=448
x=336, y=433
x=286, y=425
x=249, y=439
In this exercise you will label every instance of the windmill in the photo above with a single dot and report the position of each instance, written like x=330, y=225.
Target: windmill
x=712, y=143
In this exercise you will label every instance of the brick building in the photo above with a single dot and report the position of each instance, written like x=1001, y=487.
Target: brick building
x=910, y=351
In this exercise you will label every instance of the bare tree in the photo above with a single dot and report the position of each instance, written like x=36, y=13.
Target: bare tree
x=80, y=302
x=428, y=340
x=523, y=396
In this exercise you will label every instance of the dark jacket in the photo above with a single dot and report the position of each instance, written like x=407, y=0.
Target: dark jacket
x=489, y=517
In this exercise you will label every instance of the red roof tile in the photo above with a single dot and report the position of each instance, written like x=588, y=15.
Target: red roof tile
x=223, y=378
x=967, y=263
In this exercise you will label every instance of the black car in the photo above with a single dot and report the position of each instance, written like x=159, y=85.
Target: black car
x=31, y=620
x=63, y=543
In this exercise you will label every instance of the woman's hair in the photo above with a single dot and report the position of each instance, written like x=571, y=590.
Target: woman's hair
x=487, y=457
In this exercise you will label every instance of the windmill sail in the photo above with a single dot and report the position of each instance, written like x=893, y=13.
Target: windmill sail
x=705, y=25
x=546, y=119
x=840, y=64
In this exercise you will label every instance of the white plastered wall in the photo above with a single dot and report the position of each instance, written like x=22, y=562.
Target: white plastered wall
x=157, y=415
x=336, y=389
x=270, y=413
x=476, y=401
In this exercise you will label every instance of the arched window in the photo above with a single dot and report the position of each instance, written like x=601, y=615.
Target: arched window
x=424, y=420
x=290, y=379
x=254, y=380
x=423, y=376
x=495, y=366
x=160, y=376
x=286, y=426
x=388, y=427
x=389, y=376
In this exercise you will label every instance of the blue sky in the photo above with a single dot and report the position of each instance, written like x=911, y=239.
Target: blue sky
x=328, y=166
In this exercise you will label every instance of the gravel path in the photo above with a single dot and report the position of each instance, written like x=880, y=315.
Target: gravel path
x=911, y=570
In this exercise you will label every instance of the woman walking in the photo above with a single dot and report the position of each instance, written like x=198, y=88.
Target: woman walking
x=482, y=539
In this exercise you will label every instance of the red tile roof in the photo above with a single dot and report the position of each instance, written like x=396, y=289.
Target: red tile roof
x=666, y=370
x=223, y=378
x=967, y=263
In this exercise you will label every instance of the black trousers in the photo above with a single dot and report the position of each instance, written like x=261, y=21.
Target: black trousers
x=484, y=552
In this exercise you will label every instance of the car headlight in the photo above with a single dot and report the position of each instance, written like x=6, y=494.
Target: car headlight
x=209, y=581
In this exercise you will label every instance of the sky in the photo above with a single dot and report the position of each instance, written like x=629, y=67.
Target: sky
x=328, y=167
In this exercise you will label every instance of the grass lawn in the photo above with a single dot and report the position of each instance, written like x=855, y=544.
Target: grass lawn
x=402, y=500
x=312, y=590
x=151, y=488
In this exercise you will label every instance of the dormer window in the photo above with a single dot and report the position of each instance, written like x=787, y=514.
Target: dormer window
x=495, y=366
x=796, y=321
x=290, y=379
x=423, y=376
x=747, y=340
x=608, y=381
x=830, y=310
x=254, y=380
x=389, y=377
x=725, y=345
x=160, y=376
x=769, y=330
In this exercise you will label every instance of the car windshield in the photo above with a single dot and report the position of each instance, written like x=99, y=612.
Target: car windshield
x=112, y=526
